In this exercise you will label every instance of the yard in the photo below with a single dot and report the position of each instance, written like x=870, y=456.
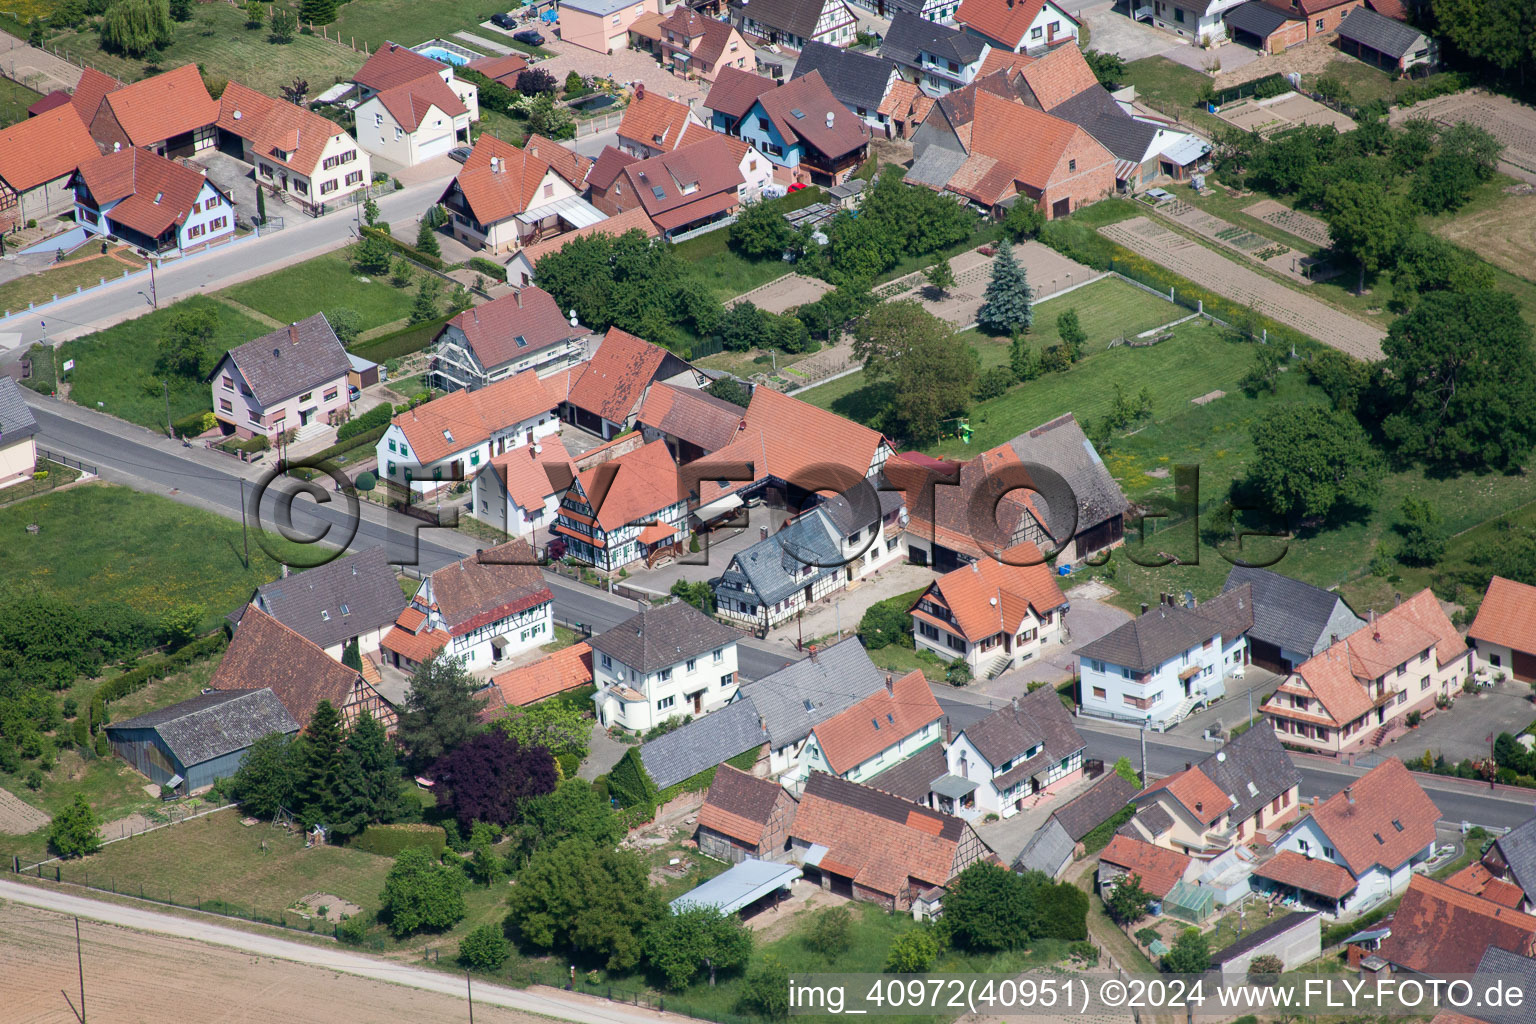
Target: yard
x=711, y=261
x=18, y=293
x=15, y=98
x=57, y=476
x=100, y=543
x=408, y=22
x=217, y=40
x=319, y=285
x=1172, y=88
x=115, y=368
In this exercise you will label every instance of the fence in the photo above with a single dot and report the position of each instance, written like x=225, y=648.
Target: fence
x=34, y=307
x=599, y=124
x=67, y=462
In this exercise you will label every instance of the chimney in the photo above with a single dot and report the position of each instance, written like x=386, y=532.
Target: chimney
x=1349, y=794
x=1199, y=805
x=1143, y=607
x=293, y=333
x=812, y=650
x=517, y=297
x=534, y=150
x=890, y=684
x=1187, y=766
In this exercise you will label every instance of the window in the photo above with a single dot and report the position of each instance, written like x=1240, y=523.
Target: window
x=664, y=674
x=1319, y=24
x=718, y=655
x=306, y=396
x=391, y=469
x=327, y=187
x=330, y=394
x=1071, y=165
x=229, y=385
x=354, y=177
x=1302, y=845
x=692, y=664
x=607, y=662
x=392, y=446
x=1096, y=665
x=665, y=703
x=1099, y=693
x=378, y=120
x=1178, y=15
x=225, y=405
x=1424, y=683
x=1036, y=33
x=1401, y=697
x=474, y=458
x=218, y=222
x=549, y=191
x=1328, y=852
x=727, y=679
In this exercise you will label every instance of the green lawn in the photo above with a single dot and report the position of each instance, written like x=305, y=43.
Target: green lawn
x=409, y=22
x=321, y=284
x=15, y=98
x=711, y=260
x=1366, y=83
x=1172, y=88
x=20, y=292
x=217, y=40
x=106, y=543
x=115, y=368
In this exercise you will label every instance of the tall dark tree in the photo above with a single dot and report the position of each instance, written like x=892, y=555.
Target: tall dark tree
x=1461, y=380
x=321, y=763
x=1311, y=460
x=264, y=782
x=931, y=369
x=369, y=789
x=485, y=778
x=440, y=709
x=579, y=898
x=1007, y=305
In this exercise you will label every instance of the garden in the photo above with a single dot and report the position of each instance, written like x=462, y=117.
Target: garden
x=321, y=285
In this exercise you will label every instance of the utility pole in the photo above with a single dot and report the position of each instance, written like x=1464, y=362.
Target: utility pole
x=167, y=386
x=1143, y=754
x=244, y=533
x=154, y=295
x=80, y=964
x=469, y=993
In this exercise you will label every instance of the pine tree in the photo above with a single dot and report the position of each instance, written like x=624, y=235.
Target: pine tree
x=1008, y=304
x=261, y=206
x=351, y=656
x=375, y=756
x=426, y=240
x=317, y=12
x=321, y=765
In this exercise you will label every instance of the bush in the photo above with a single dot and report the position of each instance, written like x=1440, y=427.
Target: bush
x=912, y=953
x=484, y=949
x=392, y=840
x=994, y=382
x=365, y=481
x=421, y=894
x=489, y=268
x=1085, y=951
x=159, y=667
x=1146, y=936
x=888, y=622
x=426, y=259
x=830, y=932
x=379, y=415
x=195, y=424
x=353, y=930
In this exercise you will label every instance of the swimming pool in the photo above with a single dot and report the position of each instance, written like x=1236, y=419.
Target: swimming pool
x=446, y=56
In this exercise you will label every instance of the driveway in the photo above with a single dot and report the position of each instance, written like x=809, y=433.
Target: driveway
x=1112, y=31
x=625, y=66
x=1464, y=731
x=1089, y=619
x=235, y=178
x=1234, y=709
x=1009, y=836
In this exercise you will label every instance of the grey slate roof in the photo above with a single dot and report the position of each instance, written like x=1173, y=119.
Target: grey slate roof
x=856, y=79
x=1154, y=816
x=867, y=505
x=290, y=360
x=797, y=16
x=775, y=565
x=1255, y=16
x=838, y=677
x=702, y=743
x=910, y=35
x=658, y=638
x=1518, y=848
x=935, y=166
x=1293, y=614
x=1147, y=641
x=911, y=779
x=1254, y=757
x=213, y=724
x=1097, y=113
x=1048, y=850
x=16, y=420
x=1256, y=938
x=1512, y=969
x=1379, y=32
x=1062, y=446
x=334, y=602
x=1101, y=802
x=1010, y=731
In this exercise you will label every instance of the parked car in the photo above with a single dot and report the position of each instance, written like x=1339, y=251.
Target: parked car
x=504, y=20
x=459, y=153
x=797, y=186
x=353, y=394
x=529, y=36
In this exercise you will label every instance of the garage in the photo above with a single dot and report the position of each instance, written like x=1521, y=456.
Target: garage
x=1253, y=23
x=428, y=148
x=1504, y=632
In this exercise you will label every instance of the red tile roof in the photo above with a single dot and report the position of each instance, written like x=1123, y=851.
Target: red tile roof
x=609, y=165
x=567, y=163
x=1441, y=930
x=809, y=95
x=740, y=804
x=1159, y=869
x=522, y=470
x=881, y=720
x=906, y=102
x=1313, y=875
x=694, y=416
x=1383, y=817
x=617, y=375
x=1002, y=60
x=1004, y=20
x=166, y=105
x=1197, y=792
x=414, y=646
x=1476, y=879
x=392, y=65
x=1058, y=76
x=276, y=127
x=1507, y=615
x=514, y=326
x=410, y=103
x=57, y=98
x=1389, y=8
x=471, y=417
x=1000, y=124
x=497, y=194
x=565, y=669
x=633, y=487
x=1328, y=678
x=488, y=587
x=734, y=91
x=264, y=652
x=156, y=193
x=90, y=90
x=988, y=597
x=655, y=121
x=694, y=181
x=500, y=69
x=44, y=148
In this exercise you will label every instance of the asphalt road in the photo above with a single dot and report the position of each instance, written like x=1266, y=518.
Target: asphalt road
x=138, y=458
x=546, y=1001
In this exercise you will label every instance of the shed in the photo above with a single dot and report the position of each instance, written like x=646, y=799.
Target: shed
x=1049, y=850
x=1296, y=938
x=739, y=886
x=362, y=373
x=200, y=740
x=1192, y=903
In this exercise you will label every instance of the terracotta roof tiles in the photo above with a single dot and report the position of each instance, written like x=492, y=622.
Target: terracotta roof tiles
x=567, y=163
x=734, y=91
x=692, y=415
x=1001, y=123
x=410, y=102
x=162, y=106
x=462, y=419
x=522, y=471
x=633, y=219
x=495, y=193
x=157, y=194
x=392, y=64
x=89, y=92
x=44, y=148
x=1158, y=869
x=277, y=130
x=1058, y=76
x=1439, y=929
x=1507, y=615
x=740, y=804
x=1384, y=817
x=657, y=122
x=514, y=326
x=565, y=669
x=879, y=721
x=617, y=375
x=487, y=587
x=264, y=652
x=636, y=486
x=1479, y=881
x=1003, y=20
x=1313, y=875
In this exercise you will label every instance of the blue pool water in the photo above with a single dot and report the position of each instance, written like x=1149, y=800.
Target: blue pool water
x=446, y=56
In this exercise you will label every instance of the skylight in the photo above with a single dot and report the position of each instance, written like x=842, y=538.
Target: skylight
x=1397, y=824
x=808, y=705
x=345, y=610
x=658, y=192
x=876, y=723
x=1252, y=789
x=325, y=615
x=522, y=342
x=448, y=434
x=799, y=114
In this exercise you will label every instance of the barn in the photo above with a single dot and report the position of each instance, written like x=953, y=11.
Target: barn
x=190, y=746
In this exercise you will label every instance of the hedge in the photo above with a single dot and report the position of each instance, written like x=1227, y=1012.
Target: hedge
x=702, y=781
x=399, y=343
x=1099, y=838
x=378, y=415
x=195, y=424
x=392, y=840
x=368, y=437
x=159, y=666
x=424, y=258
x=487, y=267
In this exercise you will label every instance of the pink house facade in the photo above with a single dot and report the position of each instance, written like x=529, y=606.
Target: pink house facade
x=291, y=378
x=602, y=25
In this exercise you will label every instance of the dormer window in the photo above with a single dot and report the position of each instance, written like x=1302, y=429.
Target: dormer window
x=325, y=616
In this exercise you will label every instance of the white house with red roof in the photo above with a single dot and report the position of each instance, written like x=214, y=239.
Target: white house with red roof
x=653, y=124
x=1023, y=26
x=1504, y=632
x=880, y=731
x=504, y=197
x=152, y=203
x=412, y=107
x=509, y=335
x=308, y=159
x=518, y=495
x=991, y=614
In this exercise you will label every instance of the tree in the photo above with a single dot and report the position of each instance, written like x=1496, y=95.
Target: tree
x=264, y=782
x=912, y=952
x=697, y=594
x=75, y=832
x=886, y=622
x=830, y=932
x=766, y=992
x=183, y=351
x=940, y=277
x=574, y=83
x=1496, y=33
x=255, y=17
x=1422, y=532
x=372, y=254
x=1365, y=222
x=1264, y=374
x=486, y=778
x=1264, y=967
x=1128, y=902
x=1007, y=304
x=426, y=240
x=179, y=624
x=1108, y=68
x=1191, y=953
x=440, y=710
x=1311, y=461
x=993, y=382
x=1071, y=332
x=1023, y=360
x=988, y=908
x=181, y=10
x=761, y=232
x=421, y=894
x=371, y=791
x=296, y=92
x=1461, y=382
x=459, y=299
x=261, y=197
x=744, y=326
x=559, y=726
x=317, y=12
x=485, y=866
x=575, y=810
x=728, y=389
x=1342, y=377
x=484, y=949
x=931, y=369
x=1127, y=771
x=346, y=323
x=536, y=82
x=1428, y=263
x=681, y=945
x=1024, y=221
x=283, y=23
x=549, y=120
x=135, y=27
x=580, y=898
x=320, y=760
